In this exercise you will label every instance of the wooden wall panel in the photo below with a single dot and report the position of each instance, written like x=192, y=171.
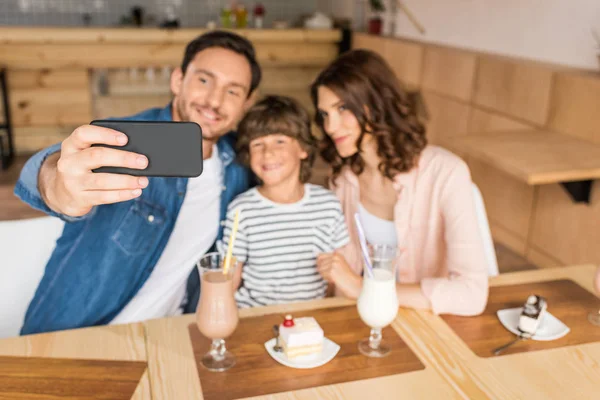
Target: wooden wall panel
x=49, y=97
x=567, y=231
x=575, y=107
x=508, y=202
x=448, y=118
x=406, y=60
x=518, y=89
x=320, y=173
x=293, y=78
x=48, y=78
x=301, y=54
x=31, y=139
x=369, y=42
x=49, y=106
x=514, y=242
x=482, y=121
x=541, y=259
x=449, y=71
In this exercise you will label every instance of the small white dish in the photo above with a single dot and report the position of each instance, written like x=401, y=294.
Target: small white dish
x=551, y=328
x=330, y=349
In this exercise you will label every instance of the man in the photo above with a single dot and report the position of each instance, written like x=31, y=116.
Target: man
x=130, y=243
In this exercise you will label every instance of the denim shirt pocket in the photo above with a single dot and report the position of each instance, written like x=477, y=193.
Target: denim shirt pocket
x=141, y=228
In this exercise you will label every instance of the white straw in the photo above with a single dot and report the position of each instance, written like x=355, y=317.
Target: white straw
x=363, y=244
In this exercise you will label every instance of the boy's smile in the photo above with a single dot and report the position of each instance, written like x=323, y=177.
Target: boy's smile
x=271, y=167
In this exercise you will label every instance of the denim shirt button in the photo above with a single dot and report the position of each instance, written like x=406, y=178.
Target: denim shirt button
x=223, y=188
x=223, y=223
x=151, y=218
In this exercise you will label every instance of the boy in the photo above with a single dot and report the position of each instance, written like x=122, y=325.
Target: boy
x=284, y=222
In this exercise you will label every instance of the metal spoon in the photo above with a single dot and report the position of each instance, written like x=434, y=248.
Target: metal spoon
x=277, y=347
x=522, y=336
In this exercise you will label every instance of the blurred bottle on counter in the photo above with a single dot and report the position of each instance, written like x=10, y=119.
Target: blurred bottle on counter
x=241, y=16
x=259, y=15
x=226, y=17
x=137, y=15
x=171, y=20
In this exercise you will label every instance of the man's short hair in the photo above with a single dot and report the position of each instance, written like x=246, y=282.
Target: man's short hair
x=226, y=40
x=278, y=115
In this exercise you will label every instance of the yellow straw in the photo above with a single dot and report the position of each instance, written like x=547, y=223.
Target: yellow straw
x=236, y=220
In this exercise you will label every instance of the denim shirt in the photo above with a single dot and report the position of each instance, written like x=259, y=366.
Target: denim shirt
x=103, y=258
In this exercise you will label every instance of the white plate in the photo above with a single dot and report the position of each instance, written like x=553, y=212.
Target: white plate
x=330, y=349
x=551, y=328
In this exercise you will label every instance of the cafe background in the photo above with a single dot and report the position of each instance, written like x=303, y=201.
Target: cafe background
x=517, y=78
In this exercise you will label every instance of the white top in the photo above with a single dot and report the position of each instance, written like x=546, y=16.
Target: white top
x=194, y=233
x=279, y=244
x=377, y=230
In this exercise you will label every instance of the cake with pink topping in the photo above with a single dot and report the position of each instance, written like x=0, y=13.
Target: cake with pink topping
x=300, y=336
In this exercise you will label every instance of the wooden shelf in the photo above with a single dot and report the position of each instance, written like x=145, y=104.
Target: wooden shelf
x=535, y=157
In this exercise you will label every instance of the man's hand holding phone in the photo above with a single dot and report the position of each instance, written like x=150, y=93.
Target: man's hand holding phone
x=67, y=183
x=108, y=162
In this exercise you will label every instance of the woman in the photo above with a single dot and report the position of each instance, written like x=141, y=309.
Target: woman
x=406, y=192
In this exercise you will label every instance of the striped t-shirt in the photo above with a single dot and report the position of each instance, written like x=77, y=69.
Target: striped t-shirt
x=279, y=245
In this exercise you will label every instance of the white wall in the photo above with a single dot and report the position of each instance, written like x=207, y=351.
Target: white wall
x=338, y=8
x=556, y=31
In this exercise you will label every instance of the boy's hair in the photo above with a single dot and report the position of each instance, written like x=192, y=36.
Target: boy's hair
x=278, y=115
x=225, y=40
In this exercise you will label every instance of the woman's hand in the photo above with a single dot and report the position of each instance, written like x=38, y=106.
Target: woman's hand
x=334, y=268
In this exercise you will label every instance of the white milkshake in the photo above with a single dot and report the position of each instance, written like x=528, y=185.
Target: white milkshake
x=378, y=301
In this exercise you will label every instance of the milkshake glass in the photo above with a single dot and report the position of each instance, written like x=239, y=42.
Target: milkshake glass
x=217, y=312
x=378, y=301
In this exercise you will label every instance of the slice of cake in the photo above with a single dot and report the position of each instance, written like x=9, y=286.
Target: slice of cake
x=300, y=336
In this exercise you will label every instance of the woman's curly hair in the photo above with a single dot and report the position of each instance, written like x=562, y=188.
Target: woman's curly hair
x=370, y=90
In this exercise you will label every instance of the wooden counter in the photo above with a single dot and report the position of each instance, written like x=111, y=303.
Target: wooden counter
x=31, y=35
x=53, y=80
x=43, y=48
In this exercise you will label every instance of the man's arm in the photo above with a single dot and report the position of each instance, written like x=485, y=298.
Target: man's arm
x=60, y=181
x=28, y=187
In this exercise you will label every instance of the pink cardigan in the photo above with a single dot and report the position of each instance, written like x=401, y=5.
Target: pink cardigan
x=437, y=231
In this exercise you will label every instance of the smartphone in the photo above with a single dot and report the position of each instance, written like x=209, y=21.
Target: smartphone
x=173, y=149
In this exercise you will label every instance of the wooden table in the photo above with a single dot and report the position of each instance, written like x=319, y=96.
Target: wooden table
x=563, y=373
x=122, y=342
x=452, y=370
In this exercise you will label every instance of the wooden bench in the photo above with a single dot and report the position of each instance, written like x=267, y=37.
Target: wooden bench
x=538, y=157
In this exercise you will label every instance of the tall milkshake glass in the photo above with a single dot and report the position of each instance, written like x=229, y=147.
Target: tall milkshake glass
x=378, y=301
x=217, y=313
